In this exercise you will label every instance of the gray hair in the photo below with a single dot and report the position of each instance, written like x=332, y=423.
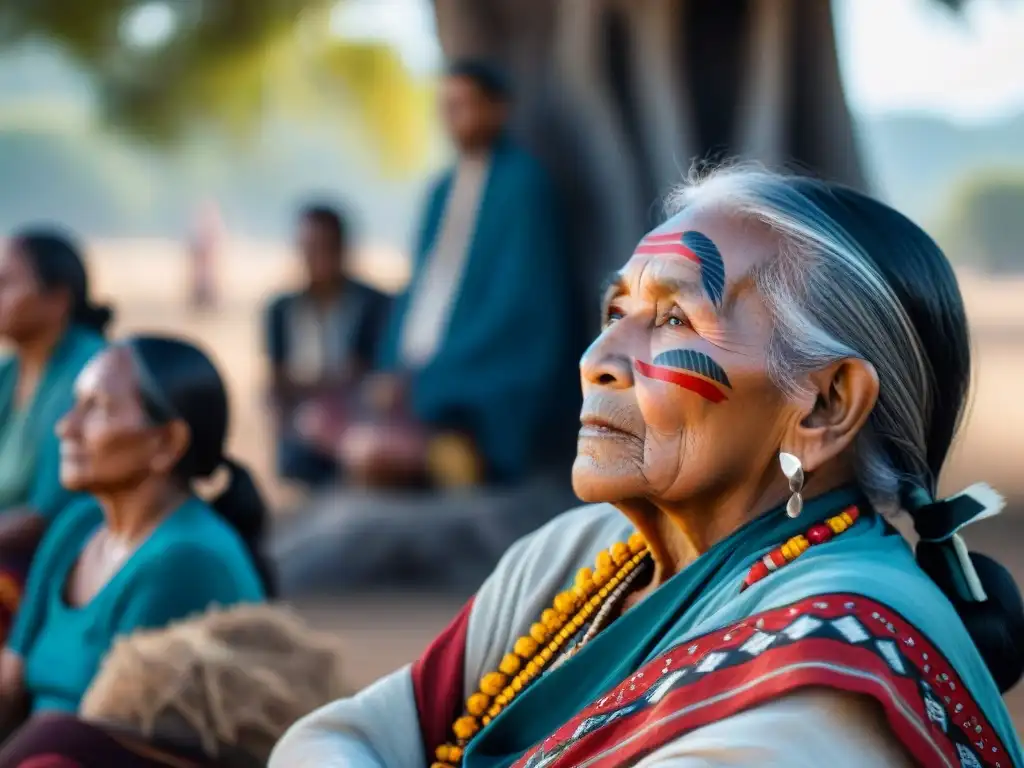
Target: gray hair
x=828, y=302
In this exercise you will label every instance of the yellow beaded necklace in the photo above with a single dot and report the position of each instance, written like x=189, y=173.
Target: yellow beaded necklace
x=531, y=653
x=573, y=608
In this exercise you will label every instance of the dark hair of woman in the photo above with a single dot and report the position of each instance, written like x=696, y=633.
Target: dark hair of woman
x=488, y=77
x=57, y=263
x=921, y=277
x=178, y=381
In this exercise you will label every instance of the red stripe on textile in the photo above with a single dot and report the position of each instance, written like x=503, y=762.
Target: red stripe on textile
x=736, y=668
x=793, y=668
x=702, y=387
x=438, y=678
x=667, y=249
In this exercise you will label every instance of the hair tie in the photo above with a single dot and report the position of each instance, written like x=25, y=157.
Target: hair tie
x=938, y=525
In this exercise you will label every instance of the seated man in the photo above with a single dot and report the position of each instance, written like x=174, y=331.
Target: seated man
x=320, y=341
x=477, y=339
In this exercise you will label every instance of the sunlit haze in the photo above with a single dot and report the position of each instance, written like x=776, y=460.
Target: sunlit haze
x=896, y=54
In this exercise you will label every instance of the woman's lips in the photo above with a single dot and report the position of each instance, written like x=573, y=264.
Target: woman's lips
x=601, y=426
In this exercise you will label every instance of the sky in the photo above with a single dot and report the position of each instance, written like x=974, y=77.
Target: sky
x=895, y=54
x=968, y=68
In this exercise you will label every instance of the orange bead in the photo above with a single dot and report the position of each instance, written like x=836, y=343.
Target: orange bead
x=526, y=647
x=565, y=602
x=510, y=664
x=539, y=632
x=620, y=553
x=584, y=577
x=466, y=727
x=478, y=703
x=492, y=683
x=603, y=561
x=551, y=619
x=637, y=543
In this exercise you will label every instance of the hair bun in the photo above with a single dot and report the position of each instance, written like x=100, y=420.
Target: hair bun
x=96, y=317
x=995, y=624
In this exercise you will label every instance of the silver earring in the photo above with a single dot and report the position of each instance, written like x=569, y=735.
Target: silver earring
x=794, y=472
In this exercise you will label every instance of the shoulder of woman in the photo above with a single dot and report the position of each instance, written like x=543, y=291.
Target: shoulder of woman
x=573, y=538
x=543, y=563
x=881, y=570
x=81, y=514
x=181, y=558
x=832, y=728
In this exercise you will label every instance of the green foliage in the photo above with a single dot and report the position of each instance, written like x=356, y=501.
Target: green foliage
x=227, y=65
x=208, y=70
x=986, y=220
x=57, y=174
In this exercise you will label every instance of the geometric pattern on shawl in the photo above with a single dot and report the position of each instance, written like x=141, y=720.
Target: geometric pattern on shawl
x=839, y=641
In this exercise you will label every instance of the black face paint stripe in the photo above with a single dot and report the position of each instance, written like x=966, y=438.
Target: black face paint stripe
x=697, y=362
x=712, y=268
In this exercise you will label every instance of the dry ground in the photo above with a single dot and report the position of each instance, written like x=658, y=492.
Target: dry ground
x=147, y=281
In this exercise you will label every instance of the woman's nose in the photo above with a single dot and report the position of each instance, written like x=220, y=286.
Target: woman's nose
x=605, y=367
x=66, y=425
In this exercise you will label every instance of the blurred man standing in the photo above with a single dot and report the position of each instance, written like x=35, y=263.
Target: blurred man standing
x=320, y=342
x=204, y=249
x=474, y=345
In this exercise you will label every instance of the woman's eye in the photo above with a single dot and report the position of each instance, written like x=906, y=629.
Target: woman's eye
x=677, y=320
x=612, y=315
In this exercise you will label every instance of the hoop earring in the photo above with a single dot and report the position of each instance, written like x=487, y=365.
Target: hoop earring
x=794, y=472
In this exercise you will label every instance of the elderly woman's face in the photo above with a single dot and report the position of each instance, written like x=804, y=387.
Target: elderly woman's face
x=677, y=396
x=107, y=444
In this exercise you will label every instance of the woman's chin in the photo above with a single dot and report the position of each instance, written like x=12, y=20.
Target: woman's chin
x=595, y=481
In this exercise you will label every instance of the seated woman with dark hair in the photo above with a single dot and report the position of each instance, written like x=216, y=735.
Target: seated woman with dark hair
x=783, y=363
x=150, y=418
x=54, y=329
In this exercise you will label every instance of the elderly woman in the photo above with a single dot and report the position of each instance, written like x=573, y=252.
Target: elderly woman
x=783, y=363
x=53, y=329
x=150, y=418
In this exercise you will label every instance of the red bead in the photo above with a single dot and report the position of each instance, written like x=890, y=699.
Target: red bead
x=757, y=572
x=778, y=558
x=819, y=534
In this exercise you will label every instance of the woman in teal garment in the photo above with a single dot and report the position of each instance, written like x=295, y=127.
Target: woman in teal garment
x=783, y=365
x=150, y=418
x=54, y=329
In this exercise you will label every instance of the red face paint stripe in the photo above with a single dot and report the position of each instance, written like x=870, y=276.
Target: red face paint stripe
x=667, y=237
x=667, y=249
x=702, y=387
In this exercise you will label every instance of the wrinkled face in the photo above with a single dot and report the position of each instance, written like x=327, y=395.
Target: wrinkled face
x=471, y=117
x=107, y=443
x=677, y=400
x=25, y=309
x=320, y=251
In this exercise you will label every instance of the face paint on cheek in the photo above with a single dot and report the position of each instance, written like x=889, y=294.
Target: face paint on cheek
x=691, y=370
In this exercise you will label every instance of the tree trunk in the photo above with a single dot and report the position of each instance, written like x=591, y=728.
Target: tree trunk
x=620, y=97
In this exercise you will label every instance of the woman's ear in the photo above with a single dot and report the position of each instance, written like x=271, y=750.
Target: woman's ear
x=177, y=437
x=845, y=393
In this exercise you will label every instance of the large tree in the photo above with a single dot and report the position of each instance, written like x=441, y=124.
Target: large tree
x=619, y=97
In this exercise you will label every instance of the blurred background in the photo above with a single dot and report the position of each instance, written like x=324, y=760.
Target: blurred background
x=180, y=138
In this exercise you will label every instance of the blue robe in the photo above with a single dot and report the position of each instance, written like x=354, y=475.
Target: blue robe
x=496, y=372
x=53, y=398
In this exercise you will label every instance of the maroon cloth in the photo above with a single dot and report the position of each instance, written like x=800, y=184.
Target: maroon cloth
x=64, y=741
x=438, y=677
x=14, y=565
